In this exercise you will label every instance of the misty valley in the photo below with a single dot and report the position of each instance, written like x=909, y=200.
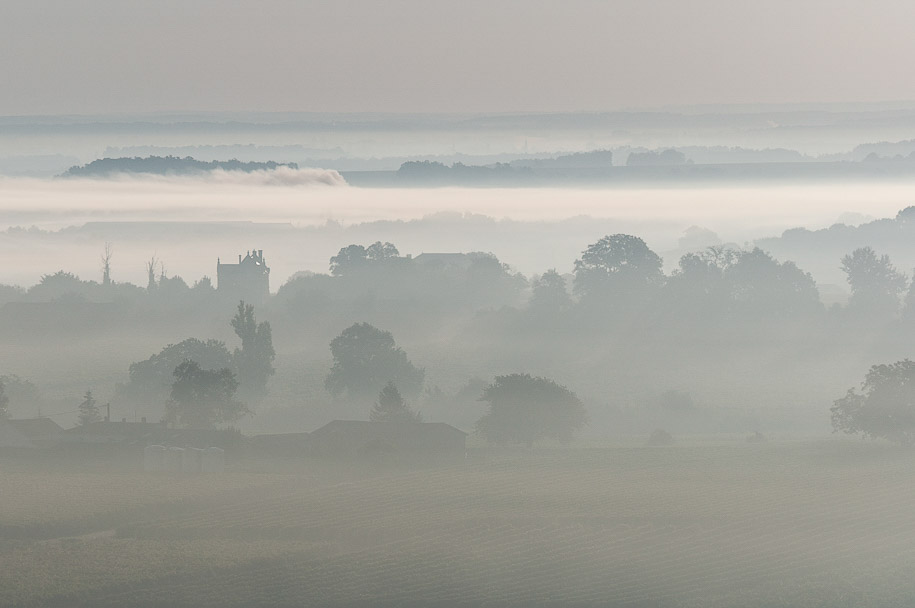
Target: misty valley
x=610, y=358
x=439, y=428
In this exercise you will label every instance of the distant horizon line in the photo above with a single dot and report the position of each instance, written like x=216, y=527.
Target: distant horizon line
x=724, y=107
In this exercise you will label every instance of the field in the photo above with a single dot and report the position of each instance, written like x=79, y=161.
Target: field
x=826, y=523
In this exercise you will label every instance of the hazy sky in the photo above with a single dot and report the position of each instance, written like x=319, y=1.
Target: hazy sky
x=100, y=56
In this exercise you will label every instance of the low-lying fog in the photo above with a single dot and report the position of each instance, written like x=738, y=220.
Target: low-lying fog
x=338, y=214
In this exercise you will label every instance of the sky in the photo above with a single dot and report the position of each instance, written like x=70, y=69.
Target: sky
x=127, y=56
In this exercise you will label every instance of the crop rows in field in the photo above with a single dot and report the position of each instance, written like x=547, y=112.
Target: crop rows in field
x=531, y=535
x=672, y=527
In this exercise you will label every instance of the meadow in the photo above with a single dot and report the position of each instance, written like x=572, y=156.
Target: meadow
x=825, y=523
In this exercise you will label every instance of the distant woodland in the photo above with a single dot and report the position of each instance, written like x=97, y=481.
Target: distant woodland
x=167, y=165
x=733, y=340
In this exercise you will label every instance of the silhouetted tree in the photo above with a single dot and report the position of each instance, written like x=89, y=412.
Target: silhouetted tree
x=549, y=294
x=203, y=398
x=4, y=401
x=760, y=286
x=349, y=258
x=698, y=287
x=254, y=361
x=884, y=408
x=381, y=252
x=88, y=410
x=875, y=283
x=151, y=267
x=524, y=409
x=618, y=266
x=151, y=379
x=106, y=265
x=391, y=407
x=365, y=359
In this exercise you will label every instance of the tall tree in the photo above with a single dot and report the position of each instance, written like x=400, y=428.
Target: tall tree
x=88, y=410
x=391, y=407
x=254, y=361
x=549, y=295
x=875, y=283
x=885, y=407
x=203, y=398
x=4, y=402
x=523, y=409
x=106, y=265
x=365, y=359
x=618, y=266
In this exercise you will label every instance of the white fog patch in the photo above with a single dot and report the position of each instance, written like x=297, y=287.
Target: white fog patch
x=281, y=176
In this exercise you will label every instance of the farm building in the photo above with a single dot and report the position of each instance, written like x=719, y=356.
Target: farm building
x=41, y=432
x=281, y=444
x=356, y=438
x=142, y=434
x=11, y=437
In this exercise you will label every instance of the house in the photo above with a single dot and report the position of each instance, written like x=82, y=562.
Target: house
x=280, y=444
x=357, y=438
x=40, y=432
x=141, y=434
x=459, y=261
x=11, y=437
x=249, y=280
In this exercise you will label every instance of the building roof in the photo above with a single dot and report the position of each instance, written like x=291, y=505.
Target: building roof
x=11, y=437
x=460, y=260
x=335, y=426
x=37, y=428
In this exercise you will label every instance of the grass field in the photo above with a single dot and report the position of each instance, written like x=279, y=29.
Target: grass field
x=780, y=524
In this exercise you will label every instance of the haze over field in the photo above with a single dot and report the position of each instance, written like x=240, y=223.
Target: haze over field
x=423, y=303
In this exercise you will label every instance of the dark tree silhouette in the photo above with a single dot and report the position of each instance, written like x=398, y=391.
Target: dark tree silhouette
x=884, y=408
x=4, y=401
x=523, y=409
x=150, y=380
x=88, y=410
x=549, y=295
x=348, y=259
x=203, y=398
x=618, y=266
x=106, y=265
x=365, y=358
x=254, y=361
x=391, y=407
x=760, y=286
x=875, y=283
x=381, y=252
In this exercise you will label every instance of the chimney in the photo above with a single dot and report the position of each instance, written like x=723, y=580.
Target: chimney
x=239, y=258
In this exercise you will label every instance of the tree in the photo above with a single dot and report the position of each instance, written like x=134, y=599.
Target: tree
x=106, y=265
x=523, y=409
x=761, y=286
x=365, y=359
x=88, y=410
x=151, y=379
x=151, y=266
x=4, y=402
x=203, y=398
x=381, y=252
x=875, y=283
x=352, y=257
x=617, y=265
x=254, y=361
x=549, y=295
x=391, y=407
x=884, y=408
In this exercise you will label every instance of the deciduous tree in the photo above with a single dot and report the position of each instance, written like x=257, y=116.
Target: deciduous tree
x=524, y=408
